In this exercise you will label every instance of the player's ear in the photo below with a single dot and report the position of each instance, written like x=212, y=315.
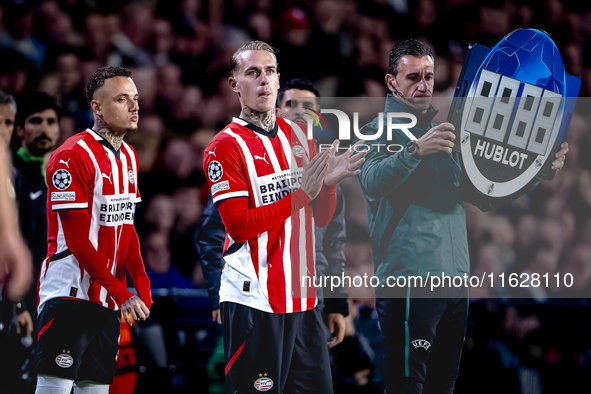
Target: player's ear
x=390, y=81
x=20, y=131
x=96, y=107
x=278, y=81
x=233, y=85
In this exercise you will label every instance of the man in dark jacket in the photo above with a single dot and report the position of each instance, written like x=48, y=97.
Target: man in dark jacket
x=417, y=224
x=210, y=245
x=293, y=99
x=37, y=125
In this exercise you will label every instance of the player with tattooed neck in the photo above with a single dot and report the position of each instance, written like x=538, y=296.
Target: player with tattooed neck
x=258, y=100
x=271, y=188
x=93, y=191
x=115, y=106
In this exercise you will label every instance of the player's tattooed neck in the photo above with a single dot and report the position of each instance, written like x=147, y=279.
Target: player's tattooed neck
x=102, y=128
x=265, y=120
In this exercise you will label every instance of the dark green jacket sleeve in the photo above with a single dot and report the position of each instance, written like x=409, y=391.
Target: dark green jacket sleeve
x=384, y=171
x=333, y=251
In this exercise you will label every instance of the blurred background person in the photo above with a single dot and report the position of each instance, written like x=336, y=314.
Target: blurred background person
x=37, y=128
x=16, y=323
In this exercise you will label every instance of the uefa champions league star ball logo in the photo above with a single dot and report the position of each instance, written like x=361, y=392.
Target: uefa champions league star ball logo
x=215, y=171
x=62, y=179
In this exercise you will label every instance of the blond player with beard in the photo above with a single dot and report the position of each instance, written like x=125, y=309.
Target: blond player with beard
x=271, y=187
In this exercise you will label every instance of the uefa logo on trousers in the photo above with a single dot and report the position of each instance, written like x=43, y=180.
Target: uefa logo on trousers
x=511, y=110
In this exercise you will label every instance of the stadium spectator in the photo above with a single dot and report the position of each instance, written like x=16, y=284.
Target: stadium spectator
x=18, y=33
x=160, y=214
x=97, y=36
x=162, y=274
x=184, y=255
x=16, y=72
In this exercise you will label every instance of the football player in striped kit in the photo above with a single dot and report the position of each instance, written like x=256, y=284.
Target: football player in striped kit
x=93, y=190
x=271, y=188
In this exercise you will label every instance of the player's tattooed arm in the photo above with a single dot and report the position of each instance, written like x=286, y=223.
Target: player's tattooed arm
x=102, y=129
x=265, y=120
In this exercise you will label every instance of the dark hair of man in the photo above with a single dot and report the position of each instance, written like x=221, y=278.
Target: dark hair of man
x=99, y=77
x=7, y=99
x=410, y=47
x=296, y=83
x=249, y=46
x=34, y=102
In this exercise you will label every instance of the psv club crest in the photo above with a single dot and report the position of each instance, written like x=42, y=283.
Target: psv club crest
x=263, y=383
x=511, y=111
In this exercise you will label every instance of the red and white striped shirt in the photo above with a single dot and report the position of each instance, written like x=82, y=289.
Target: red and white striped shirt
x=265, y=271
x=87, y=174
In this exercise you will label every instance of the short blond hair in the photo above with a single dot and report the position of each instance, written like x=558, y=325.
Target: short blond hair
x=250, y=46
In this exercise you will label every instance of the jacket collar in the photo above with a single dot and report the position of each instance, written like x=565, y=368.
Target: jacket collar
x=27, y=157
x=394, y=104
x=34, y=161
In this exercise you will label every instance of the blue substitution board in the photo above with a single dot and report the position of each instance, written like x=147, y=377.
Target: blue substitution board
x=511, y=111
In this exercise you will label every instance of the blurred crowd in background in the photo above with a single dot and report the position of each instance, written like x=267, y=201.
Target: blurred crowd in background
x=179, y=51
